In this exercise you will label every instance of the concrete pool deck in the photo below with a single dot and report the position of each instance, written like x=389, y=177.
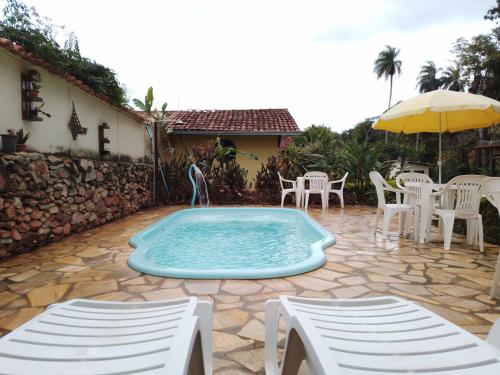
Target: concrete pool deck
x=455, y=283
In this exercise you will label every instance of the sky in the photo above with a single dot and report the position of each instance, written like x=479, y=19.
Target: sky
x=313, y=57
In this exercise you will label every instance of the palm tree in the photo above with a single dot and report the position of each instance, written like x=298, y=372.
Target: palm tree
x=452, y=78
x=388, y=65
x=427, y=80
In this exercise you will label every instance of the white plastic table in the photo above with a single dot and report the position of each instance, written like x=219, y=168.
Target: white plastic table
x=426, y=206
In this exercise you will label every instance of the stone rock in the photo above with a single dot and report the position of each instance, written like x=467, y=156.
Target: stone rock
x=39, y=170
x=47, y=294
x=10, y=212
x=15, y=235
x=35, y=224
x=67, y=228
x=76, y=218
x=17, y=203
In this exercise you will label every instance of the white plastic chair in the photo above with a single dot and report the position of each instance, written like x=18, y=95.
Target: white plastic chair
x=339, y=192
x=491, y=190
x=412, y=182
x=318, y=184
x=384, y=335
x=98, y=337
x=285, y=191
x=390, y=209
x=465, y=205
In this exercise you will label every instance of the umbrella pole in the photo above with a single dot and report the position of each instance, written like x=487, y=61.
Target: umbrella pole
x=439, y=162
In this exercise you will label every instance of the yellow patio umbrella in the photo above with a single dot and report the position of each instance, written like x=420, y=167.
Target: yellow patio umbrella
x=440, y=111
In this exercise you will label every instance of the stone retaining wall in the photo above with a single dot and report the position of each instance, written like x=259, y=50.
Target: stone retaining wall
x=43, y=198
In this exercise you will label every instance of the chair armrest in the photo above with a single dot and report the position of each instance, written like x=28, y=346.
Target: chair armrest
x=331, y=183
x=397, y=191
x=294, y=183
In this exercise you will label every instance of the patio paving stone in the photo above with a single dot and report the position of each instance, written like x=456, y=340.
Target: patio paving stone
x=454, y=284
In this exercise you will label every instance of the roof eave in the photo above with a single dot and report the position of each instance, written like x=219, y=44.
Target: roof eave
x=226, y=132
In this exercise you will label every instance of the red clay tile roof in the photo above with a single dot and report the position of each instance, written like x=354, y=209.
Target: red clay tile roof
x=20, y=52
x=246, y=121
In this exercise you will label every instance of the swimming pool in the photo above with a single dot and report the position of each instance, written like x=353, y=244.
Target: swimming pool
x=230, y=243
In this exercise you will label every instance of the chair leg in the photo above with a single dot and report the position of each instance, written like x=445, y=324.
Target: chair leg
x=496, y=279
x=307, y=200
x=469, y=239
x=295, y=353
x=448, y=222
x=341, y=197
x=282, y=199
x=417, y=224
x=386, y=223
x=377, y=219
x=403, y=216
x=479, y=227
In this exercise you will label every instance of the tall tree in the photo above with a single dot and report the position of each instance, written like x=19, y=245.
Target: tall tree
x=428, y=80
x=452, y=78
x=387, y=65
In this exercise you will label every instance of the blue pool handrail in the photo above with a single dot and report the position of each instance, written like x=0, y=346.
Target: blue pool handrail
x=195, y=191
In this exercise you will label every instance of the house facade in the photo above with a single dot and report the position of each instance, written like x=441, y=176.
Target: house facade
x=256, y=131
x=60, y=93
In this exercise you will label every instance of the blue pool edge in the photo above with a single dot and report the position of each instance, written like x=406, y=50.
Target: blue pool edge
x=316, y=260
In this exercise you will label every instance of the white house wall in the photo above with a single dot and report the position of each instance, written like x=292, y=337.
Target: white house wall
x=53, y=135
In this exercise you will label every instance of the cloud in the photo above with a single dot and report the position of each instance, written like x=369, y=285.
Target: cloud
x=405, y=16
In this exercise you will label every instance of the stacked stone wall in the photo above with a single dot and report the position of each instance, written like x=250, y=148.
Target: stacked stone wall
x=44, y=198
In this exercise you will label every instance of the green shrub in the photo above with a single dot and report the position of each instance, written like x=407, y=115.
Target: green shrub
x=267, y=185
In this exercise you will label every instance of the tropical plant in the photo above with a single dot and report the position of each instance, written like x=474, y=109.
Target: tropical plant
x=267, y=186
x=147, y=107
x=388, y=65
x=428, y=80
x=452, y=78
x=359, y=159
x=21, y=137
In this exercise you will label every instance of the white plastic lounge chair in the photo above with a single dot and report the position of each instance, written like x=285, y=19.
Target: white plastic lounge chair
x=491, y=190
x=467, y=189
x=318, y=184
x=285, y=191
x=97, y=337
x=384, y=335
x=339, y=192
x=390, y=209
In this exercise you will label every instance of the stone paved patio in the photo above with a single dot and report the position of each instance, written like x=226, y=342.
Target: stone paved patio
x=454, y=284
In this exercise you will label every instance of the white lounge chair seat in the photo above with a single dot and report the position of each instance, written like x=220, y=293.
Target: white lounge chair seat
x=382, y=335
x=97, y=337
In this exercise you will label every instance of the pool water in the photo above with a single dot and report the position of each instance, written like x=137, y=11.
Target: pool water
x=231, y=243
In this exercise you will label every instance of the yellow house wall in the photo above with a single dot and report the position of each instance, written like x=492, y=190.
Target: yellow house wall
x=52, y=135
x=261, y=146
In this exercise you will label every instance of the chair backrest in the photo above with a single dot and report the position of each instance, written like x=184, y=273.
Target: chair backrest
x=413, y=182
x=281, y=180
x=491, y=190
x=377, y=180
x=317, y=181
x=468, y=190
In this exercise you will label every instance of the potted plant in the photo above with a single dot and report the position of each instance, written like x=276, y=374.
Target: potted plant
x=38, y=109
x=35, y=89
x=21, y=140
x=9, y=141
